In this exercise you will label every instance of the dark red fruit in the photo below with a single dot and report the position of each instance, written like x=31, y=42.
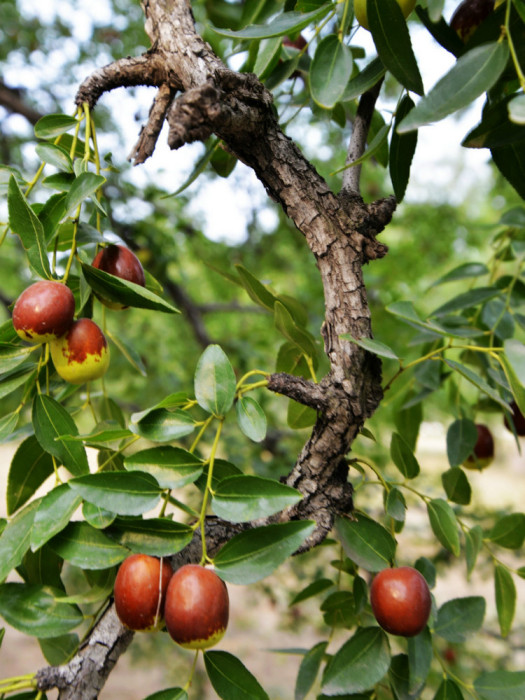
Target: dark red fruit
x=44, y=311
x=122, y=262
x=483, y=452
x=197, y=607
x=400, y=600
x=469, y=15
x=517, y=418
x=140, y=591
x=298, y=43
x=82, y=354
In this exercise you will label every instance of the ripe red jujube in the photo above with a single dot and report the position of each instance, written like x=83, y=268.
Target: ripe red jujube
x=483, y=452
x=197, y=607
x=517, y=418
x=140, y=591
x=122, y=262
x=82, y=354
x=401, y=601
x=44, y=311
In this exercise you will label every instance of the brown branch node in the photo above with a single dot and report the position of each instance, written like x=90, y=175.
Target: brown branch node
x=298, y=389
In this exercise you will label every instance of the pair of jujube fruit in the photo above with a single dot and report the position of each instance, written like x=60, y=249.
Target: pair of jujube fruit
x=44, y=313
x=193, y=602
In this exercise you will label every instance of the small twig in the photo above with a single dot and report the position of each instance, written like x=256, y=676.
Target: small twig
x=149, y=135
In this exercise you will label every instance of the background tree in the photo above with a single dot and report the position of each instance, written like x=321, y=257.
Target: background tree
x=179, y=441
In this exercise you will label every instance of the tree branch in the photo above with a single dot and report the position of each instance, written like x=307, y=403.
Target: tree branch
x=10, y=99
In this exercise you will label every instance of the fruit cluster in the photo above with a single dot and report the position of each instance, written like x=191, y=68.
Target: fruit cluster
x=193, y=602
x=44, y=313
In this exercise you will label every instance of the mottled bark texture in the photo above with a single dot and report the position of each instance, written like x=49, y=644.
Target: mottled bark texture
x=200, y=96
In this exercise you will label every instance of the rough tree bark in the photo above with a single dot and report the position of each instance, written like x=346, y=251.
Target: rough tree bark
x=199, y=96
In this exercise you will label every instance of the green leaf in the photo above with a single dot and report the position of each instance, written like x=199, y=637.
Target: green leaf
x=172, y=467
x=403, y=457
x=29, y=468
x=419, y=659
x=24, y=222
x=256, y=289
x=500, y=685
x=120, y=290
x=54, y=155
x=242, y=498
x=359, y=664
x=309, y=669
x=58, y=650
x=299, y=416
x=462, y=435
x=444, y=524
x=467, y=300
x=456, y=486
x=214, y=381
x=96, y=516
x=464, y=271
x=15, y=538
x=291, y=331
x=230, y=679
x=475, y=379
x=86, y=547
x=474, y=73
x=473, y=544
x=374, y=346
x=509, y=531
x=510, y=161
x=495, y=129
x=313, y=589
x=448, y=690
x=37, y=610
x=53, y=514
x=366, y=542
x=390, y=34
x=129, y=352
x=339, y=610
x=11, y=381
x=84, y=186
x=169, y=694
x=124, y=493
x=366, y=79
x=459, y=617
x=158, y=537
x=395, y=505
x=8, y=424
x=254, y=554
x=50, y=421
x=515, y=352
x=161, y=425
x=267, y=57
x=330, y=71
x=251, y=418
x=52, y=125
x=505, y=592
x=286, y=23
x=402, y=149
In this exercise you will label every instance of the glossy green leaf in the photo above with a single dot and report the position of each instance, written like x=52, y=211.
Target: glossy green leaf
x=462, y=435
x=495, y=129
x=267, y=57
x=448, y=690
x=169, y=694
x=97, y=517
x=172, y=467
x=505, y=593
x=251, y=418
x=53, y=514
x=254, y=554
x=339, y=610
x=467, y=300
x=374, y=346
x=24, y=222
x=222, y=469
x=84, y=186
x=299, y=416
x=29, y=468
x=475, y=72
x=510, y=161
x=15, y=539
x=286, y=325
x=395, y=505
x=58, y=650
x=257, y=291
x=309, y=669
x=242, y=498
x=402, y=149
x=330, y=71
x=458, y=618
x=121, y=290
x=420, y=656
x=54, y=155
x=37, y=610
x=515, y=353
x=158, y=537
x=230, y=679
x=359, y=664
x=86, y=547
x=214, y=381
x=8, y=424
x=286, y=23
x=500, y=685
x=363, y=81
x=161, y=425
x=52, y=125
x=509, y=531
x=444, y=524
x=403, y=457
x=464, y=271
x=124, y=493
x=366, y=542
x=313, y=589
x=456, y=486
x=475, y=379
x=13, y=380
x=50, y=421
x=473, y=544
x=390, y=33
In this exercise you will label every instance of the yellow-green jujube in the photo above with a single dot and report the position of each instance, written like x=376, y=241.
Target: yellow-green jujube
x=360, y=10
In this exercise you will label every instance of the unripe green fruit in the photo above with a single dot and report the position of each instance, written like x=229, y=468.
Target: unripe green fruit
x=82, y=354
x=361, y=15
x=44, y=311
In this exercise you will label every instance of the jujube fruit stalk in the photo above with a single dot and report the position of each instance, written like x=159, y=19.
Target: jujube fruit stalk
x=44, y=311
x=82, y=354
x=140, y=591
x=197, y=607
x=401, y=601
